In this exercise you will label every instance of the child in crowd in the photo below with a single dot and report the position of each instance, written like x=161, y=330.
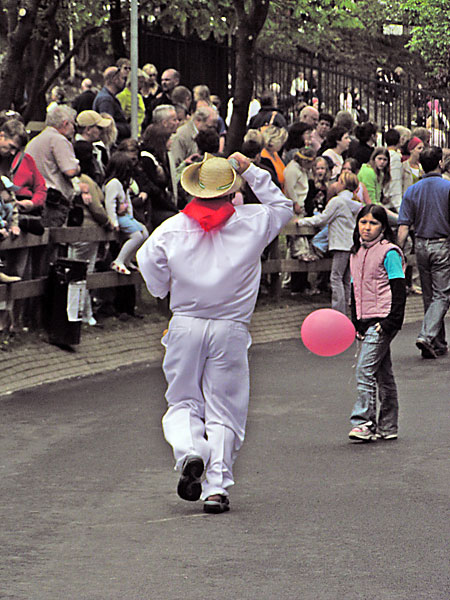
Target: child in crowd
x=319, y=193
x=378, y=307
x=321, y=181
x=7, y=206
x=352, y=165
x=120, y=210
x=8, y=216
x=340, y=214
x=376, y=174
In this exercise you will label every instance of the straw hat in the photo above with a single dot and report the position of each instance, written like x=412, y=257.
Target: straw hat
x=212, y=178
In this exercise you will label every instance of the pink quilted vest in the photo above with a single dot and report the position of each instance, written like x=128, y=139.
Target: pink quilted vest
x=370, y=281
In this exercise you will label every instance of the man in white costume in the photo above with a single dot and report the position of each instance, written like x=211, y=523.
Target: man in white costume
x=208, y=257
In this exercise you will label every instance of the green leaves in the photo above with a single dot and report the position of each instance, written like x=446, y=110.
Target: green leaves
x=430, y=35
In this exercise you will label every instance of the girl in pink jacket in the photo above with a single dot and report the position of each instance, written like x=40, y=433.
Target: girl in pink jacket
x=378, y=297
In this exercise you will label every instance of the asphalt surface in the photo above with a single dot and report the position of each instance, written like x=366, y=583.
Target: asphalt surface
x=89, y=509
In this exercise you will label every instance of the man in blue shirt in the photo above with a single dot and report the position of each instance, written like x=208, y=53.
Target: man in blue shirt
x=425, y=207
x=106, y=101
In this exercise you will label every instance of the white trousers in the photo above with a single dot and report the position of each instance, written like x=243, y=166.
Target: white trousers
x=206, y=368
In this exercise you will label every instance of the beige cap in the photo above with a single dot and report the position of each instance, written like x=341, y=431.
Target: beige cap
x=88, y=118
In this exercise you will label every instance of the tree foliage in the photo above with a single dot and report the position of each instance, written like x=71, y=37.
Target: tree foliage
x=32, y=31
x=430, y=21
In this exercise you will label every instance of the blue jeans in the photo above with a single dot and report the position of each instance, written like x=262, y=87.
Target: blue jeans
x=433, y=262
x=340, y=281
x=374, y=369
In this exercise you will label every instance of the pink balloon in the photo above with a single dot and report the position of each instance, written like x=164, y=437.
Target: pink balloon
x=327, y=332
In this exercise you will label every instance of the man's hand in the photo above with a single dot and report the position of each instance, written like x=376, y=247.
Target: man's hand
x=192, y=158
x=15, y=230
x=25, y=205
x=402, y=234
x=243, y=162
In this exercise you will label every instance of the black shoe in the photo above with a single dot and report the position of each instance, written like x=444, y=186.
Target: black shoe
x=189, y=486
x=426, y=348
x=216, y=504
x=441, y=351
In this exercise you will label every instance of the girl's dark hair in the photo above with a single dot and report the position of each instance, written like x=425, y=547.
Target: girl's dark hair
x=120, y=166
x=387, y=171
x=128, y=145
x=251, y=148
x=392, y=137
x=296, y=133
x=154, y=139
x=365, y=131
x=334, y=135
x=379, y=213
x=208, y=141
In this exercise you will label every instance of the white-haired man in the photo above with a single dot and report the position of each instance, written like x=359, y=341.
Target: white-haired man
x=53, y=151
x=166, y=115
x=208, y=258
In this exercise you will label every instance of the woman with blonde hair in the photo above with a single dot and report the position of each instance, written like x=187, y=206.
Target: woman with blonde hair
x=108, y=139
x=274, y=140
x=151, y=86
x=340, y=215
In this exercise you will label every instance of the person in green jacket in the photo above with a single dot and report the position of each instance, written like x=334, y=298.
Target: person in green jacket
x=376, y=174
x=124, y=98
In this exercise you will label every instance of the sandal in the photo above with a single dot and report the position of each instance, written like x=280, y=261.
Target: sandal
x=119, y=268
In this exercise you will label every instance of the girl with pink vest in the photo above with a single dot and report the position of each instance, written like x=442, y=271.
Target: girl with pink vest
x=378, y=298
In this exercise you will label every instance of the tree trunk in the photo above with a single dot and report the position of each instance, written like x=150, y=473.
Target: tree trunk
x=12, y=75
x=243, y=90
x=250, y=22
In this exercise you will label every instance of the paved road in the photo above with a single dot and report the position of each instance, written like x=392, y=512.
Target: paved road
x=89, y=511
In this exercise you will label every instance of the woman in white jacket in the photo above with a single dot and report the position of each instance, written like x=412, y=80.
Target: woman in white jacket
x=340, y=215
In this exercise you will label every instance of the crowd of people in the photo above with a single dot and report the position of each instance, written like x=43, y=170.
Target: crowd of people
x=84, y=167
x=196, y=225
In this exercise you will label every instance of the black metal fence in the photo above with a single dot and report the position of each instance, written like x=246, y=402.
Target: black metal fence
x=386, y=98
x=198, y=61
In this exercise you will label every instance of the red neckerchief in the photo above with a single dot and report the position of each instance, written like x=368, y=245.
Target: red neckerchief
x=209, y=214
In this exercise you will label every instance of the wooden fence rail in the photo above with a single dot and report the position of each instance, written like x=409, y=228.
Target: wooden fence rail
x=45, y=244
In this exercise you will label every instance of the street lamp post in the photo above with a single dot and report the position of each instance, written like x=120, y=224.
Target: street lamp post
x=134, y=67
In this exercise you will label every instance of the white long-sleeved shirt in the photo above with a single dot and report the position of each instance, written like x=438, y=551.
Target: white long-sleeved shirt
x=215, y=274
x=115, y=195
x=340, y=215
x=296, y=184
x=393, y=190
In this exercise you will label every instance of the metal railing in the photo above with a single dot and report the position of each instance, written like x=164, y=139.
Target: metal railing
x=383, y=97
